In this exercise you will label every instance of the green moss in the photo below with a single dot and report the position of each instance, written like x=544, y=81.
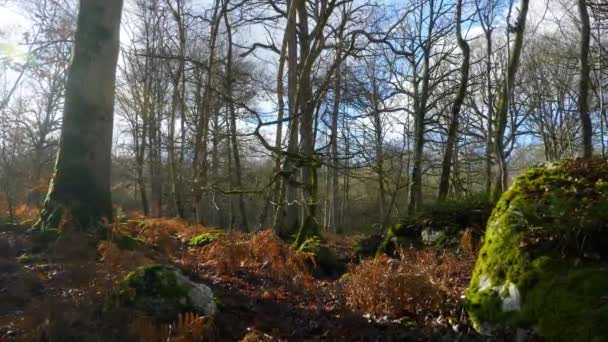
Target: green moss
x=547, y=237
x=28, y=258
x=310, y=245
x=148, y=281
x=308, y=230
x=397, y=235
x=152, y=288
x=162, y=291
x=205, y=238
x=451, y=217
x=218, y=302
x=326, y=263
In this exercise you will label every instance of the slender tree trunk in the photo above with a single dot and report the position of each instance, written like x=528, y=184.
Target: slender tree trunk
x=155, y=155
x=291, y=222
x=415, y=200
x=238, y=177
x=177, y=100
x=140, y=154
x=333, y=153
x=200, y=164
x=444, y=182
x=585, y=81
x=503, y=102
x=490, y=119
x=279, y=182
x=81, y=184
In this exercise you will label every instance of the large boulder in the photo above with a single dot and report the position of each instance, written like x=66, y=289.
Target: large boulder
x=544, y=262
x=164, y=292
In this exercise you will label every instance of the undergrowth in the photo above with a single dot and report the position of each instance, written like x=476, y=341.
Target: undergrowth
x=422, y=283
x=261, y=253
x=189, y=327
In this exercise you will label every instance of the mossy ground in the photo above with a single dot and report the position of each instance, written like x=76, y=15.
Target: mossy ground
x=206, y=238
x=547, y=237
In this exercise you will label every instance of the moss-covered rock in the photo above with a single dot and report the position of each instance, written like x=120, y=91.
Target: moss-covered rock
x=325, y=263
x=399, y=235
x=164, y=292
x=205, y=238
x=543, y=264
x=438, y=224
x=368, y=246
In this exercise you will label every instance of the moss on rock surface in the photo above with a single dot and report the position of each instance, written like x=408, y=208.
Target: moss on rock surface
x=544, y=262
x=326, y=263
x=205, y=238
x=164, y=292
x=439, y=224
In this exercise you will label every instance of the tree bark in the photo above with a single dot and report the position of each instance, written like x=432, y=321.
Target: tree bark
x=80, y=188
x=585, y=81
x=503, y=102
x=291, y=213
x=177, y=99
x=200, y=163
x=444, y=182
x=421, y=98
x=238, y=177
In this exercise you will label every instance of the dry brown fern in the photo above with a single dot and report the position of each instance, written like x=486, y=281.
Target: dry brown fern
x=189, y=327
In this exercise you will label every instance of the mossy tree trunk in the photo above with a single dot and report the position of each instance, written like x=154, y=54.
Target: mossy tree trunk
x=311, y=46
x=80, y=187
x=310, y=226
x=503, y=102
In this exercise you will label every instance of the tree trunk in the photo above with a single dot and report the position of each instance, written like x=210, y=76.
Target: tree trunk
x=333, y=153
x=415, y=200
x=309, y=226
x=200, y=163
x=444, y=182
x=503, y=102
x=155, y=154
x=80, y=188
x=278, y=194
x=177, y=99
x=585, y=81
x=238, y=177
x=291, y=222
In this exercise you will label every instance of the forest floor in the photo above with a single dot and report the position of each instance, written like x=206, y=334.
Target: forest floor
x=55, y=289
